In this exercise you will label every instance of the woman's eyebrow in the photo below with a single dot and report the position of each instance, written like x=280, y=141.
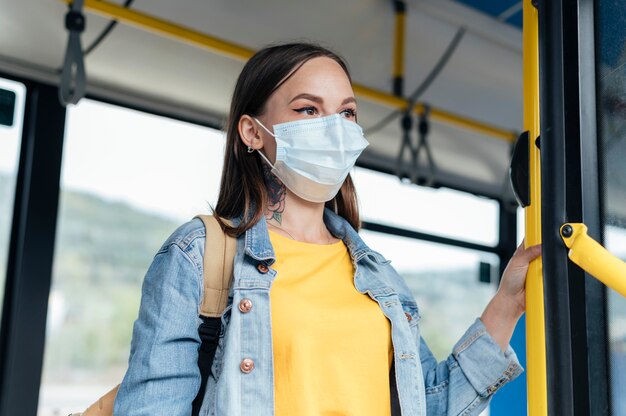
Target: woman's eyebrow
x=307, y=96
x=318, y=99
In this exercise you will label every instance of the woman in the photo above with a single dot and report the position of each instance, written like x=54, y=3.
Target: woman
x=340, y=335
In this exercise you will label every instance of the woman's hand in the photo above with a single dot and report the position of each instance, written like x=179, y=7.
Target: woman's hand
x=508, y=304
x=513, y=283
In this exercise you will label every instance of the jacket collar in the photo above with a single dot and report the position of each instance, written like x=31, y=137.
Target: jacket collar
x=257, y=242
x=259, y=247
x=341, y=228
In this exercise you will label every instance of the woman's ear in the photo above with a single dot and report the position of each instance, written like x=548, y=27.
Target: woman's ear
x=249, y=132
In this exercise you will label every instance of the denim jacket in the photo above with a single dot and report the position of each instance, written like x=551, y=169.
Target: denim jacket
x=163, y=376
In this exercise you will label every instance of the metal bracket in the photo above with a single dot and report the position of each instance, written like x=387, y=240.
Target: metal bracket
x=73, y=83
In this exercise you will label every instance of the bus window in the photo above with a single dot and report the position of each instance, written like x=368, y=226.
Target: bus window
x=128, y=180
x=521, y=225
x=442, y=212
x=610, y=26
x=615, y=242
x=12, y=96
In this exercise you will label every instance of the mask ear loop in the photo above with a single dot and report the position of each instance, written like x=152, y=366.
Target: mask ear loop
x=259, y=152
x=264, y=128
x=266, y=159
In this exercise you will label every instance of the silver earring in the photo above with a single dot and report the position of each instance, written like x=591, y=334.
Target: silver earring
x=250, y=149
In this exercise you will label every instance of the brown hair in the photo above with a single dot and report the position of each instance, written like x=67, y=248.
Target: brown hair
x=242, y=190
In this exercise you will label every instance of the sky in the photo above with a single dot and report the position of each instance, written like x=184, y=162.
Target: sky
x=173, y=169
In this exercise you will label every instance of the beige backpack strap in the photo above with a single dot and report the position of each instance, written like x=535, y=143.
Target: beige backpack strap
x=219, y=254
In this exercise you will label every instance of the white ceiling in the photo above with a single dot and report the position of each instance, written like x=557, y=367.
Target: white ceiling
x=483, y=79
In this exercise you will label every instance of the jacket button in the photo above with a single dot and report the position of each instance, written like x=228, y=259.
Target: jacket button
x=408, y=316
x=247, y=365
x=245, y=305
x=262, y=268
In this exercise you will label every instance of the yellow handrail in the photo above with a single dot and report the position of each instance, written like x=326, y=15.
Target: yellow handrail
x=535, y=321
x=220, y=46
x=590, y=256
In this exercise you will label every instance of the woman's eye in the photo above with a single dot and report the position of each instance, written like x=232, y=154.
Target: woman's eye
x=309, y=111
x=348, y=113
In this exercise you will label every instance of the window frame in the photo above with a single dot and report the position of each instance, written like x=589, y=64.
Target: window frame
x=31, y=247
x=575, y=302
x=33, y=233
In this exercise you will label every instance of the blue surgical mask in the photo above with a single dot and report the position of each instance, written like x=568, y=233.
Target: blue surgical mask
x=315, y=155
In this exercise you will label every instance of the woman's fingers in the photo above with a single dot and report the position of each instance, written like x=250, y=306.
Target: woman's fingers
x=526, y=255
x=515, y=273
x=532, y=252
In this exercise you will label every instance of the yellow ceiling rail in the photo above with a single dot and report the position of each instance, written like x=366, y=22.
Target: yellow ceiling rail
x=163, y=27
x=232, y=50
x=593, y=258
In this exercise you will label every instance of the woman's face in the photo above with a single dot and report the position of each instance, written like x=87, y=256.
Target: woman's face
x=319, y=88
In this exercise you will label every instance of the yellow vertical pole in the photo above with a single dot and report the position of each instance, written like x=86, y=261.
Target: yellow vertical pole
x=535, y=322
x=398, y=47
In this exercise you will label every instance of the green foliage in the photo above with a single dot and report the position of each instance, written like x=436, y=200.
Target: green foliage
x=103, y=250
x=101, y=241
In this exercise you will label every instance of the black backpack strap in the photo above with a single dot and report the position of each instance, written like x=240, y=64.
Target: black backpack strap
x=209, y=331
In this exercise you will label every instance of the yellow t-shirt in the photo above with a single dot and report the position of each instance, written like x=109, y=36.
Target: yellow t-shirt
x=332, y=344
